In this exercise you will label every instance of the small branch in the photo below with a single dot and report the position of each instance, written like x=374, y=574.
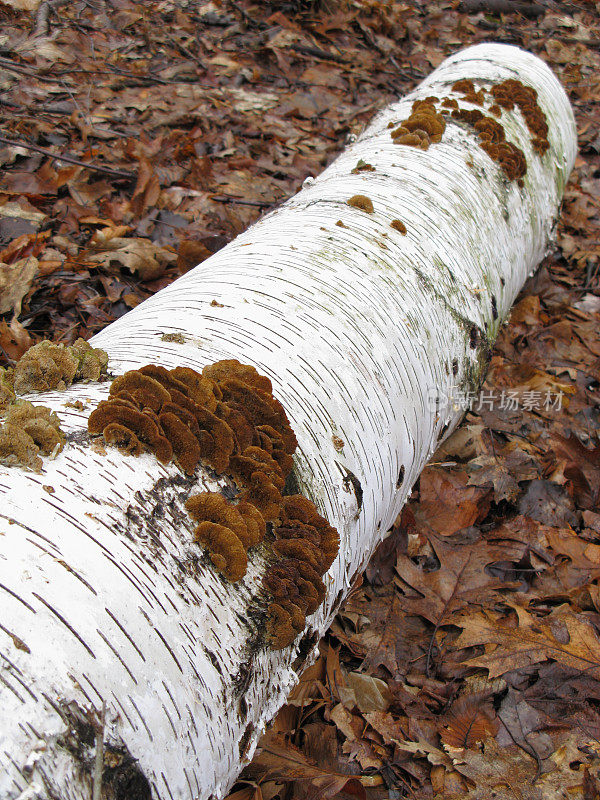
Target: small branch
x=318, y=53
x=69, y=159
x=502, y=7
x=238, y=201
x=99, y=756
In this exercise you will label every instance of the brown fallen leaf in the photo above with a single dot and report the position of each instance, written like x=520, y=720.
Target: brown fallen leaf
x=141, y=256
x=15, y=282
x=531, y=641
x=549, y=504
x=22, y=5
x=14, y=339
x=447, y=503
x=388, y=726
x=365, y=693
x=279, y=759
x=190, y=254
x=469, y=720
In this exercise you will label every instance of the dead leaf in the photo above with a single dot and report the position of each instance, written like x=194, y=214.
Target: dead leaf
x=447, y=502
x=141, y=256
x=530, y=640
x=549, y=504
x=22, y=5
x=365, y=693
x=190, y=254
x=15, y=282
x=14, y=339
x=277, y=758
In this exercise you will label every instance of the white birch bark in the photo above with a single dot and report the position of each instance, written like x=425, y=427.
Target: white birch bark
x=104, y=597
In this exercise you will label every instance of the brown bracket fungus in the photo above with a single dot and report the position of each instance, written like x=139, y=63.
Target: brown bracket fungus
x=213, y=507
x=308, y=546
x=225, y=549
x=227, y=418
x=423, y=127
x=279, y=627
x=491, y=133
x=48, y=366
x=512, y=92
x=361, y=202
x=398, y=225
x=139, y=423
x=28, y=431
x=467, y=89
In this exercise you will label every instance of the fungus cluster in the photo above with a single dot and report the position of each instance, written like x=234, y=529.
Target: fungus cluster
x=398, y=225
x=226, y=530
x=361, y=202
x=511, y=93
x=220, y=418
x=426, y=125
x=493, y=140
x=29, y=430
x=307, y=545
x=227, y=418
x=47, y=366
x=423, y=127
x=467, y=89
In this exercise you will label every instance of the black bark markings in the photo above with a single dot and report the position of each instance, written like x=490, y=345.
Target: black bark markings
x=59, y=616
x=350, y=481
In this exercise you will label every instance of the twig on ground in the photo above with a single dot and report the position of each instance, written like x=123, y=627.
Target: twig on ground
x=69, y=159
x=531, y=9
x=308, y=50
x=238, y=201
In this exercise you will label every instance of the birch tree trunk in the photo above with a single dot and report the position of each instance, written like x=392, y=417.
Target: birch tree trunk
x=106, y=602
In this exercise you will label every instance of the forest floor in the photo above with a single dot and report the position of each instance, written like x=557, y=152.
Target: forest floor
x=466, y=662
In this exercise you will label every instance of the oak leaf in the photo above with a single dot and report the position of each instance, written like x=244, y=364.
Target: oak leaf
x=531, y=641
x=141, y=256
x=279, y=759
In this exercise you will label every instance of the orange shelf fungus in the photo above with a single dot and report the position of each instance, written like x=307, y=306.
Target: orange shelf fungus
x=231, y=368
x=225, y=549
x=139, y=423
x=398, y=225
x=227, y=418
x=213, y=507
x=122, y=437
x=244, y=525
x=308, y=545
x=28, y=431
x=48, y=366
x=279, y=627
x=423, y=127
x=449, y=102
x=467, y=89
x=264, y=495
x=260, y=408
x=491, y=133
x=361, y=202
x=140, y=389
x=186, y=447
x=511, y=93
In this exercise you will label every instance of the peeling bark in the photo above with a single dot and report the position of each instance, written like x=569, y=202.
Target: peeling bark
x=104, y=596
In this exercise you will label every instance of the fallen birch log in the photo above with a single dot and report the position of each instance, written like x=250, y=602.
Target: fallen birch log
x=367, y=298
